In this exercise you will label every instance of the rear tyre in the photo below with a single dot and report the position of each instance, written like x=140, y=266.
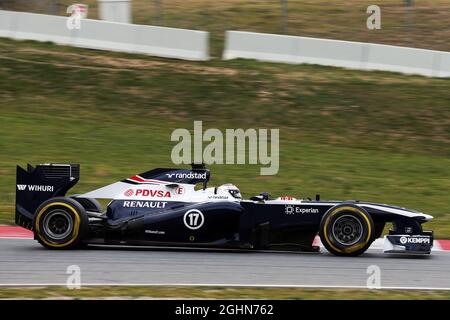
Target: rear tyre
x=347, y=230
x=89, y=204
x=60, y=223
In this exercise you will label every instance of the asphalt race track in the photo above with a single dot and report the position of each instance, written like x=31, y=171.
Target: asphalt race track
x=25, y=262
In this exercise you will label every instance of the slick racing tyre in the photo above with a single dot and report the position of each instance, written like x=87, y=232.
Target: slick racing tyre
x=60, y=223
x=346, y=230
x=88, y=204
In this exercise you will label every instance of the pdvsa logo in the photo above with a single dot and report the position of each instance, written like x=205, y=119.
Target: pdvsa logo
x=147, y=193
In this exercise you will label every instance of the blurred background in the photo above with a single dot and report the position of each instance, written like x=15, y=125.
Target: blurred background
x=412, y=23
x=346, y=134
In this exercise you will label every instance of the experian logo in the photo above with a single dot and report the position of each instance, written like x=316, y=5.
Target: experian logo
x=38, y=188
x=290, y=209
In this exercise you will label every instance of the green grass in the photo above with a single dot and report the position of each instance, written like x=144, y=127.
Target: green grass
x=346, y=134
x=219, y=293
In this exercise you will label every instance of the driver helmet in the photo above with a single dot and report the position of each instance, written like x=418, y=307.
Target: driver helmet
x=231, y=189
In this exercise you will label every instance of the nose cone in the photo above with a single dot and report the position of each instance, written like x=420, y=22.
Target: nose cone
x=425, y=217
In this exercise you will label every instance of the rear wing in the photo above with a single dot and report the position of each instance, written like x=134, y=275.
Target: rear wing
x=36, y=185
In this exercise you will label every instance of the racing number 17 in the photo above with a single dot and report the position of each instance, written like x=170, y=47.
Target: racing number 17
x=193, y=218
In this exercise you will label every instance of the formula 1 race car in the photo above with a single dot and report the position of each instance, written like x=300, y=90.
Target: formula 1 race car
x=175, y=207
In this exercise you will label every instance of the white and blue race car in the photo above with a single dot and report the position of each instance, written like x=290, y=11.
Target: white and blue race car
x=176, y=208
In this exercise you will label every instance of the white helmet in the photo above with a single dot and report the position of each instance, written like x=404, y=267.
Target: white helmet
x=231, y=189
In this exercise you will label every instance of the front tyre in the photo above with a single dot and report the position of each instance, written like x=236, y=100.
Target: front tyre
x=60, y=223
x=347, y=230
